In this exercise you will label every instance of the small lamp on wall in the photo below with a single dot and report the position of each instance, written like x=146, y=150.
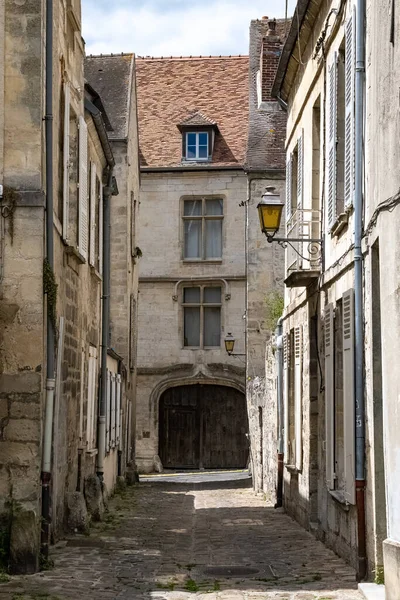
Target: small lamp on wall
x=230, y=344
x=270, y=212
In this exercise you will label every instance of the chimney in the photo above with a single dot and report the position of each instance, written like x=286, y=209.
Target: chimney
x=270, y=55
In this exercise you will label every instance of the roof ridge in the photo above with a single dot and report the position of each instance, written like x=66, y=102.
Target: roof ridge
x=211, y=56
x=112, y=55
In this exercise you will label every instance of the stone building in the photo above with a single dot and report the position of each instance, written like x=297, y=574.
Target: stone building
x=53, y=286
x=340, y=320
x=114, y=79
x=264, y=166
x=193, y=116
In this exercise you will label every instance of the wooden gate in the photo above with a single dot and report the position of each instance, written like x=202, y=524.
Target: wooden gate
x=203, y=426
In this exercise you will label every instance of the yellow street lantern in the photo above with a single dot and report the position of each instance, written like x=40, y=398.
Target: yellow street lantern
x=229, y=343
x=270, y=212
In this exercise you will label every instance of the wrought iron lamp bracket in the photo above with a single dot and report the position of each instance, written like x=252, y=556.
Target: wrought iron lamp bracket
x=315, y=246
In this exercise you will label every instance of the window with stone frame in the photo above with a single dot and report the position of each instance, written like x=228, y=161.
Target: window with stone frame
x=201, y=316
x=202, y=228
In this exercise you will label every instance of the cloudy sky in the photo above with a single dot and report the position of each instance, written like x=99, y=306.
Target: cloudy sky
x=174, y=27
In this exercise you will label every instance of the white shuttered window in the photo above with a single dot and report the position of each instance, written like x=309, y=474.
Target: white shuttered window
x=329, y=397
x=349, y=116
x=91, y=403
x=83, y=217
x=331, y=106
x=298, y=420
x=101, y=229
x=93, y=202
x=300, y=170
x=348, y=396
x=66, y=161
x=289, y=187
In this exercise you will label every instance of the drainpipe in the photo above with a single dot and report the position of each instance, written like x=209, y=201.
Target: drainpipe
x=50, y=346
x=358, y=289
x=279, y=390
x=105, y=325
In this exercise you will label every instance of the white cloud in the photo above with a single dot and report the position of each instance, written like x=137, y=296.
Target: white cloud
x=213, y=27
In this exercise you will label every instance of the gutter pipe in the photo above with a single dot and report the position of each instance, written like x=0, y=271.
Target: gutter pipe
x=279, y=369
x=358, y=289
x=105, y=325
x=50, y=345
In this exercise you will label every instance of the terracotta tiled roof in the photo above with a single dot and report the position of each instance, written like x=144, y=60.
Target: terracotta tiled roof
x=171, y=89
x=111, y=77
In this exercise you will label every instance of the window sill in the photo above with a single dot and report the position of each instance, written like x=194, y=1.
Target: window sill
x=92, y=452
x=293, y=469
x=95, y=273
x=202, y=260
x=204, y=348
x=340, y=224
x=190, y=161
x=75, y=252
x=340, y=499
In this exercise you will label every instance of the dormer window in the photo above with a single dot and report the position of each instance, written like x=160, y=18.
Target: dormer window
x=198, y=135
x=197, y=145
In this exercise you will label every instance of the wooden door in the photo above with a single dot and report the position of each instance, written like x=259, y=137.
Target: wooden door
x=179, y=429
x=203, y=426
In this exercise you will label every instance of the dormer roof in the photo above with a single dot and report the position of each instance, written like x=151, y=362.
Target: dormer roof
x=197, y=120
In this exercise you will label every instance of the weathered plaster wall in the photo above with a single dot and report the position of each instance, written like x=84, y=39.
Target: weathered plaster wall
x=382, y=183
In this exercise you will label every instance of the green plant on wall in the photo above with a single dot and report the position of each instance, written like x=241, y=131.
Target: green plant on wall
x=274, y=305
x=50, y=288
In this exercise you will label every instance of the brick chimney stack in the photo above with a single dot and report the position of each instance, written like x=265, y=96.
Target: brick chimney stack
x=269, y=59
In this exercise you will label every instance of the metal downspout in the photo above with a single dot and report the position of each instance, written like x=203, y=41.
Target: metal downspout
x=358, y=289
x=105, y=325
x=50, y=371
x=279, y=391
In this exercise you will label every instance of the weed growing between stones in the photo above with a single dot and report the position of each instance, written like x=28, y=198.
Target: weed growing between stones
x=191, y=585
x=4, y=578
x=379, y=575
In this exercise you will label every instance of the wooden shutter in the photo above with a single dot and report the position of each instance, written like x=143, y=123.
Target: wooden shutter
x=101, y=229
x=92, y=246
x=289, y=187
x=349, y=160
x=329, y=395
x=118, y=411
x=91, y=405
x=331, y=145
x=66, y=161
x=83, y=232
x=348, y=395
x=300, y=170
x=113, y=408
x=286, y=369
x=82, y=394
x=298, y=420
x=108, y=410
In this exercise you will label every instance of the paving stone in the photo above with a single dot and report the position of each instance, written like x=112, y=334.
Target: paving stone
x=159, y=537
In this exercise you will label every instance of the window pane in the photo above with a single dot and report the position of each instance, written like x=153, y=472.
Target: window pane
x=191, y=152
x=212, y=295
x=191, y=294
x=192, y=326
x=214, y=207
x=203, y=139
x=192, y=208
x=193, y=239
x=203, y=152
x=214, y=238
x=212, y=326
x=191, y=139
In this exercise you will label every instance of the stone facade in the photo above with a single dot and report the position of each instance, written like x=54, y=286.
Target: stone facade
x=83, y=159
x=163, y=275
x=319, y=318
x=265, y=166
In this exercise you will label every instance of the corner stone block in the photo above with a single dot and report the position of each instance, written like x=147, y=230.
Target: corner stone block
x=24, y=543
x=78, y=518
x=94, y=497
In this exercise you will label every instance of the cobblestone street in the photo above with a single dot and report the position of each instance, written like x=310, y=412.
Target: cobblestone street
x=186, y=537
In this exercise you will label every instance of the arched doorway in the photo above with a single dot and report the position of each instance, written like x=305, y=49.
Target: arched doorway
x=203, y=426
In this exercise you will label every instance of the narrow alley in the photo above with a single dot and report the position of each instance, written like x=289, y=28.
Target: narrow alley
x=190, y=536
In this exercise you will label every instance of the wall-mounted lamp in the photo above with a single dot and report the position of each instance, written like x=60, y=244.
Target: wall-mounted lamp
x=230, y=344
x=270, y=210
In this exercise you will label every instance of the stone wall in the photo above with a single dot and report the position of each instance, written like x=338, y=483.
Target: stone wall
x=21, y=292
